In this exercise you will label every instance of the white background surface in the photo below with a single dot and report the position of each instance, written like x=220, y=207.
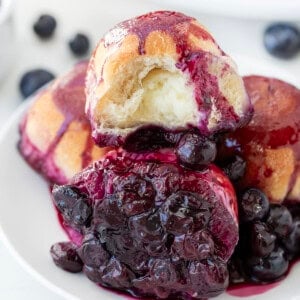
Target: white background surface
x=234, y=36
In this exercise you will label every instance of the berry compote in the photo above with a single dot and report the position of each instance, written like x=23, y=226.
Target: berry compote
x=150, y=226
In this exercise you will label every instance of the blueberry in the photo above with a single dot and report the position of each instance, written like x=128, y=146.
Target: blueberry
x=79, y=44
x=32, y=80
x=282, y=40
x=117, y=275
x=45, y=26
x=183, y=212
x=235, y=168
x=254, y=205
x=147, y=227
x=72, y=205
x=194, y=150
x=93, y=254
x=108, y=212
x=198, y=245
x=292, y=242
x=163, y=272
x=269, y=268
x=262, y=240
x=214, y=272
x=280, y=220
x=93, y=274
x=65, y=256
x=135, y=194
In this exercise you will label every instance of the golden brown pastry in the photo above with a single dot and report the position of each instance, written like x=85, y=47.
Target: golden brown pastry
x=55, y=134
x=270, y=142
x=162, y=71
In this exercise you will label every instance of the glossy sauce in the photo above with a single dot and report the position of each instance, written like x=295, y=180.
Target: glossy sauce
x=247, y=290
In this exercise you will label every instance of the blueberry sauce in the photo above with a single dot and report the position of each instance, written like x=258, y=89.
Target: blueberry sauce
x=207, y=87
x=154, y=224
x=247, y=290
x=165, y=21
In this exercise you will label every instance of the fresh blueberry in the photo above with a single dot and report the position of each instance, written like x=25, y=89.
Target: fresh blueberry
x=194, y=150
x=292, y=242
x=32, y=80
x=45, y=26
x=235, y=168
x=65, y=256
x=269, y=268
x=262, y=239
x=254, y=205
x=280, y=220
x=282, y=40
x=79, y=44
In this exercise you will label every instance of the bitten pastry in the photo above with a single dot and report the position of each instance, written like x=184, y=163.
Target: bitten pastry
x=150, y=226
x=55, y=134
x=270, y=142
x=162, y=72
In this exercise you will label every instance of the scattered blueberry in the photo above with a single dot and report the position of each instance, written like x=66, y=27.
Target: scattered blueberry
x=280, y=220
x=65, y=256
x=45, y=26
x=32, y=80
x=194, y=150
x=282, y=40
x=79, y=44
x=254, y=205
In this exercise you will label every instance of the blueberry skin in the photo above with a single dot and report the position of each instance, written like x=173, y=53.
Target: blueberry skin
x=33, y=80
x=79, y=44
x=254, y=205
x=45, y=26
x=282, y=40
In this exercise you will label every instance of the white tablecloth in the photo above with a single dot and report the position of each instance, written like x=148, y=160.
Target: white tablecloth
x=94, y=17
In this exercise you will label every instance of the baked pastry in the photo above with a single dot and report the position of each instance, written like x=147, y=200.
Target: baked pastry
x=270, y=142
x=55, y=134
x=150, y=226
x=162, y=73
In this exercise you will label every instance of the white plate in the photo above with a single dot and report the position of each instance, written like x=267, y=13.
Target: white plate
x=29, y=226
x=262, y=9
